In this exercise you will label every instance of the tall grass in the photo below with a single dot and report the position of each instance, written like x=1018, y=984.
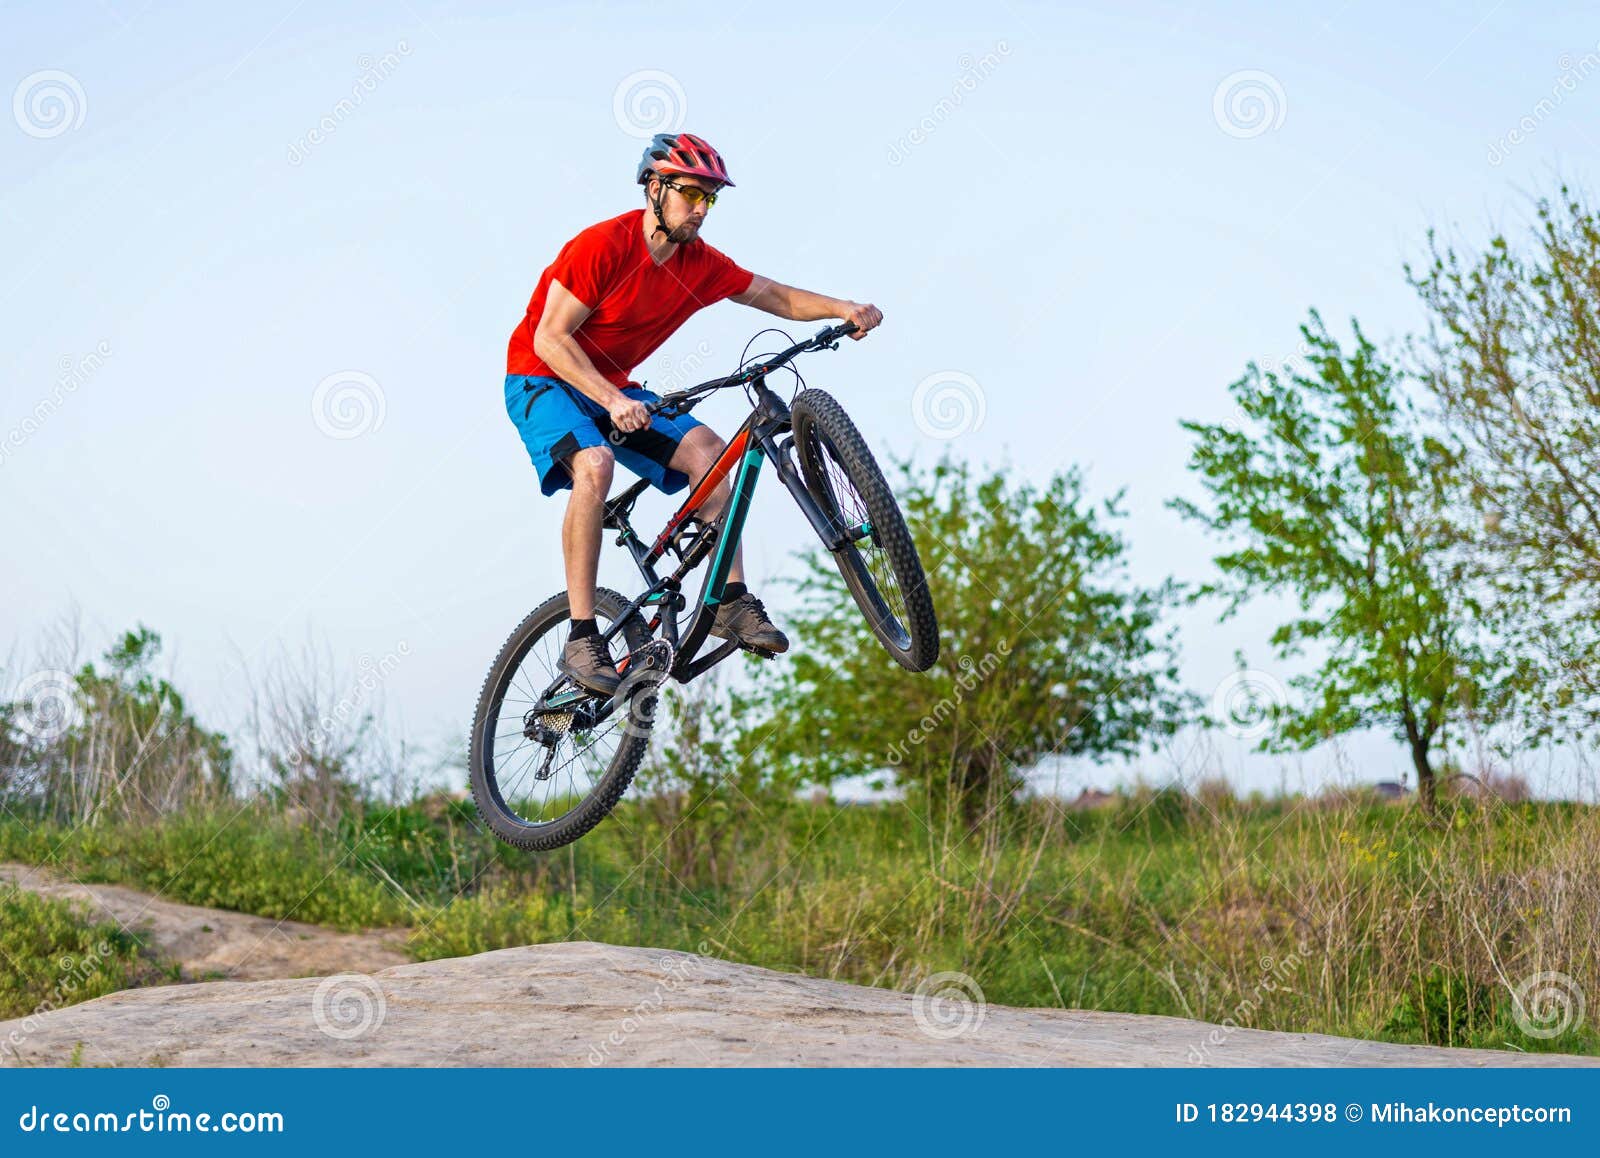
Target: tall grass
x=1352, y=919
x=1324, y=916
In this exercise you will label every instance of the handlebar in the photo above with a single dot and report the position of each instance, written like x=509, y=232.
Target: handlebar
x=679, y=401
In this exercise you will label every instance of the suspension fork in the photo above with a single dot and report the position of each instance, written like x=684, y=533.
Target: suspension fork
x=828, y=530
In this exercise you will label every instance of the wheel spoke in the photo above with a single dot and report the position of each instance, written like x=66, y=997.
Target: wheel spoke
x=847, y=510
x=539, y=783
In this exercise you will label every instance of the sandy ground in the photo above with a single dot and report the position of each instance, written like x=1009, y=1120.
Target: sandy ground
x=582, y=1004
x=214, y=943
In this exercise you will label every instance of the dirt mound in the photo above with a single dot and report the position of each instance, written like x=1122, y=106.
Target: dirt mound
x=590, y=1004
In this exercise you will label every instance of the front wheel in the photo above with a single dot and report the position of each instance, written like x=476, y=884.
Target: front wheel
x=878, y=560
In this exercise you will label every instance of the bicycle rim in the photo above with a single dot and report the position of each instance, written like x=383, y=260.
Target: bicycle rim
x=542, y=767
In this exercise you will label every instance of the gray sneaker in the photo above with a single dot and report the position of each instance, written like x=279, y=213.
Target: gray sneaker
x=745, y=619
x=588, y=661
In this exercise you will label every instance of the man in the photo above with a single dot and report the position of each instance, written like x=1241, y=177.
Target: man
x=613, y=295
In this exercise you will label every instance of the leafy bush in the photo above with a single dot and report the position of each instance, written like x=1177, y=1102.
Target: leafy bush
x=1443, y=1008
x=249, y=860
x=55, y=956
x=493, y=919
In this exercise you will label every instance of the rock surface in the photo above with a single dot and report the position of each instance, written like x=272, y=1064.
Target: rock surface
x=215, y=943
x=582, y=1004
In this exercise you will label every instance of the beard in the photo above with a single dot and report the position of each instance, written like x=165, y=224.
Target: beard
x=687, y=231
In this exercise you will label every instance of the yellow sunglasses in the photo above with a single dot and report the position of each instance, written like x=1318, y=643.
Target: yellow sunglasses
x=693, y=194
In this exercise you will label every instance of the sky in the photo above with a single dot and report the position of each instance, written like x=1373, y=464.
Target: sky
x=260, y=264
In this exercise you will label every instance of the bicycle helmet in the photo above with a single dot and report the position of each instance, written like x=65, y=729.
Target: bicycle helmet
x=680, y=154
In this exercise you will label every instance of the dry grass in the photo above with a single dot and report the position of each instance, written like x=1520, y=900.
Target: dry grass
x=1310, y=916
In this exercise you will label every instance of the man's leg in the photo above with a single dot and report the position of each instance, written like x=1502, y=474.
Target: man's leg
x=694, y=456
x=584, y=657
x=591, y=469
x=741, y=614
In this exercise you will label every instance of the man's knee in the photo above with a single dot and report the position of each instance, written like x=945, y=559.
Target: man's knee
x=706, y=439
x=698, y=450
x=592, y=468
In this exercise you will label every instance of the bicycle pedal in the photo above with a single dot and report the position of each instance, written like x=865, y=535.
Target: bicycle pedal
x=758, y=652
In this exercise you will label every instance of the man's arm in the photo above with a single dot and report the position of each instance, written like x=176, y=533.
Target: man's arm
x=800, y=305
x=554, y=343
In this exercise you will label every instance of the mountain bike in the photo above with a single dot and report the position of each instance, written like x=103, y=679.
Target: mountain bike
x=549, y=759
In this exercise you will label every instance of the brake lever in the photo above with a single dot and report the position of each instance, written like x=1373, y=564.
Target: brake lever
x=669, y=403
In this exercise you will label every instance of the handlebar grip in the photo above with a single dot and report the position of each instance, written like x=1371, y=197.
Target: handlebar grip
x=668, y=403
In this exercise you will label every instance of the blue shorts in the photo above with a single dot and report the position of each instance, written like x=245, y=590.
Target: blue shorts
x=556, y=419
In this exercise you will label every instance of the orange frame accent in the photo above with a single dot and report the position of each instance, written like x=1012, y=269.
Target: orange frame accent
x=730, y=457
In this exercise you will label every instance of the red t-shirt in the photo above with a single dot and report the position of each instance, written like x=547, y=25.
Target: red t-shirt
x=637, y=305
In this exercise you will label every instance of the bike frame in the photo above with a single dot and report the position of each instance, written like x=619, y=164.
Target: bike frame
x=763, y=437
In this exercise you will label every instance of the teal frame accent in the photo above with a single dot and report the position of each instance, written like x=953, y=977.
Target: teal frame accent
x=744, y=486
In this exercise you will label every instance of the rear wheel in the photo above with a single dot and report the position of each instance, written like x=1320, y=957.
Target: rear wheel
x=879, y=560
x=542, y=778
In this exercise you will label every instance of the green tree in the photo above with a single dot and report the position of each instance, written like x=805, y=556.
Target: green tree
x=117, y=744
x=1332, y=493
x=1514, y=357
x=1046, y=648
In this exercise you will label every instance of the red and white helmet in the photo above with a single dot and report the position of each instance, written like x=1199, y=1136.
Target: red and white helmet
x=682, y=154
